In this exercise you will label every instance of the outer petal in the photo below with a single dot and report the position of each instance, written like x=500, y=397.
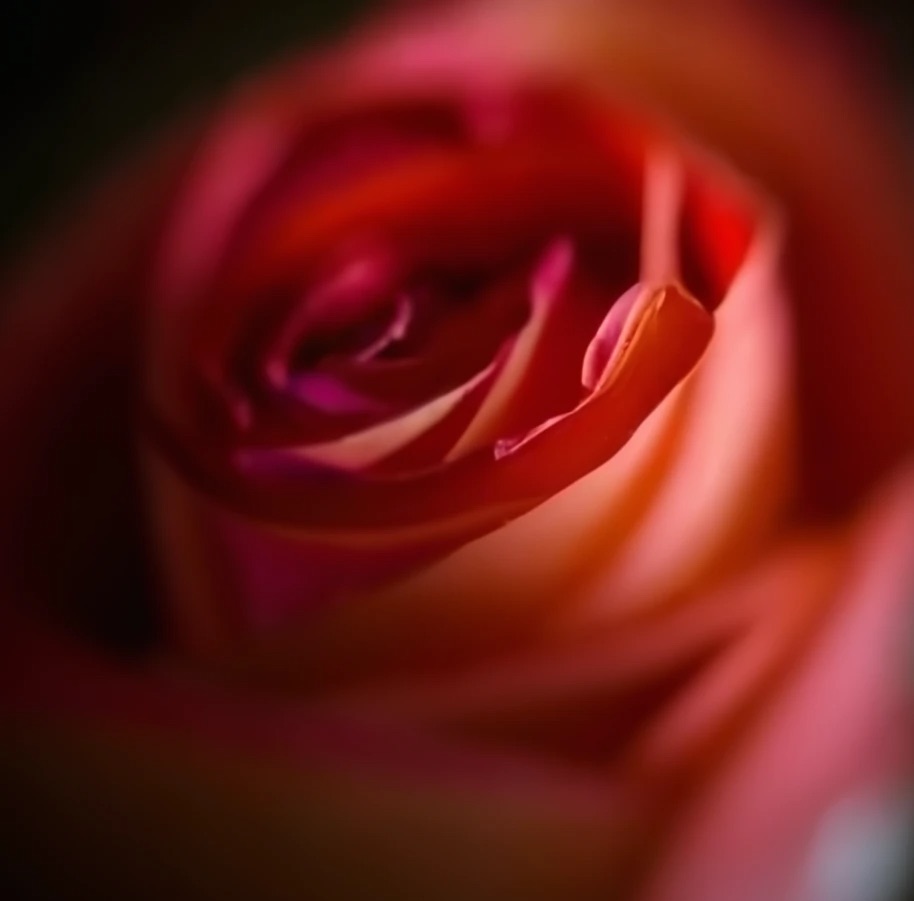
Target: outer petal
x=847, y=190
x=732, y=479
x=840, y=728
x=69, y=530
x=149, y=786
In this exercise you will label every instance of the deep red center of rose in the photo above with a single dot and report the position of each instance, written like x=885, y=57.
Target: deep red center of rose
x=390, y=259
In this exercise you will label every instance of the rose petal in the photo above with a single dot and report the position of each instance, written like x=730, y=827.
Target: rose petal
x=663, y=194
x=574, y=698
x=227, y=578
x=359, y=450
x=600, y=351
x=429, y=210
x=848, y=237
x=415, y=624
x=732, y=476
x=538, y=379
x=840, y=725
x=150, y=768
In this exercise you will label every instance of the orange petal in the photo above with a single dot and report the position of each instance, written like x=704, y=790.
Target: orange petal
x=731, y=477
x=574, y=698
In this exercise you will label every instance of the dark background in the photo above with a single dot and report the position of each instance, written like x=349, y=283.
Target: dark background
x=81, y=79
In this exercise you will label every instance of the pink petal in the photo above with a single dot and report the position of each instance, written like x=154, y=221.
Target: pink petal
x=839, y=727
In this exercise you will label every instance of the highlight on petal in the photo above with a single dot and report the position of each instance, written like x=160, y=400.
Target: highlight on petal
x=731, y=479
x=548, y=283
x=601, y=348
x=360, y=450
x=663, y=196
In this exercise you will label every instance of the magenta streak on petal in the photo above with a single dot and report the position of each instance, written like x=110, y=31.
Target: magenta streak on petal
x=350, y=291
x=369, y=446
x=332, y=395
x=599, y=352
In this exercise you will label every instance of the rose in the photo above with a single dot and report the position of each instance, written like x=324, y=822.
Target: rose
x=623, y=688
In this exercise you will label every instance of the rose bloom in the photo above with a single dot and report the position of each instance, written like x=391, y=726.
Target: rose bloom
x=471, y=462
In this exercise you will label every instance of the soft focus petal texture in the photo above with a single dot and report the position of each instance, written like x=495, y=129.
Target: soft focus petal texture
x=569, y=705
x=200, y=795
x=840, y=728
x=732, y=478
x=70, y=526
x=667, y=333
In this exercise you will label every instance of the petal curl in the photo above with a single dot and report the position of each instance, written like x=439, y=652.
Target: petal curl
x=416, y=623
x=732, y=478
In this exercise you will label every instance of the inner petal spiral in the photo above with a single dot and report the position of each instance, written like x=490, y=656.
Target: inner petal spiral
x=404, y=348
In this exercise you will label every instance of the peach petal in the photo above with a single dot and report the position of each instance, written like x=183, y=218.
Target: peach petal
x=359, y=450
x=536, y=684
x=731, y=477
x=663, y=197
x=797, y=583
x=840, y=725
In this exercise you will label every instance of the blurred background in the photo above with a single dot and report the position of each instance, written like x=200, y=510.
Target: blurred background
x=86, y=79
